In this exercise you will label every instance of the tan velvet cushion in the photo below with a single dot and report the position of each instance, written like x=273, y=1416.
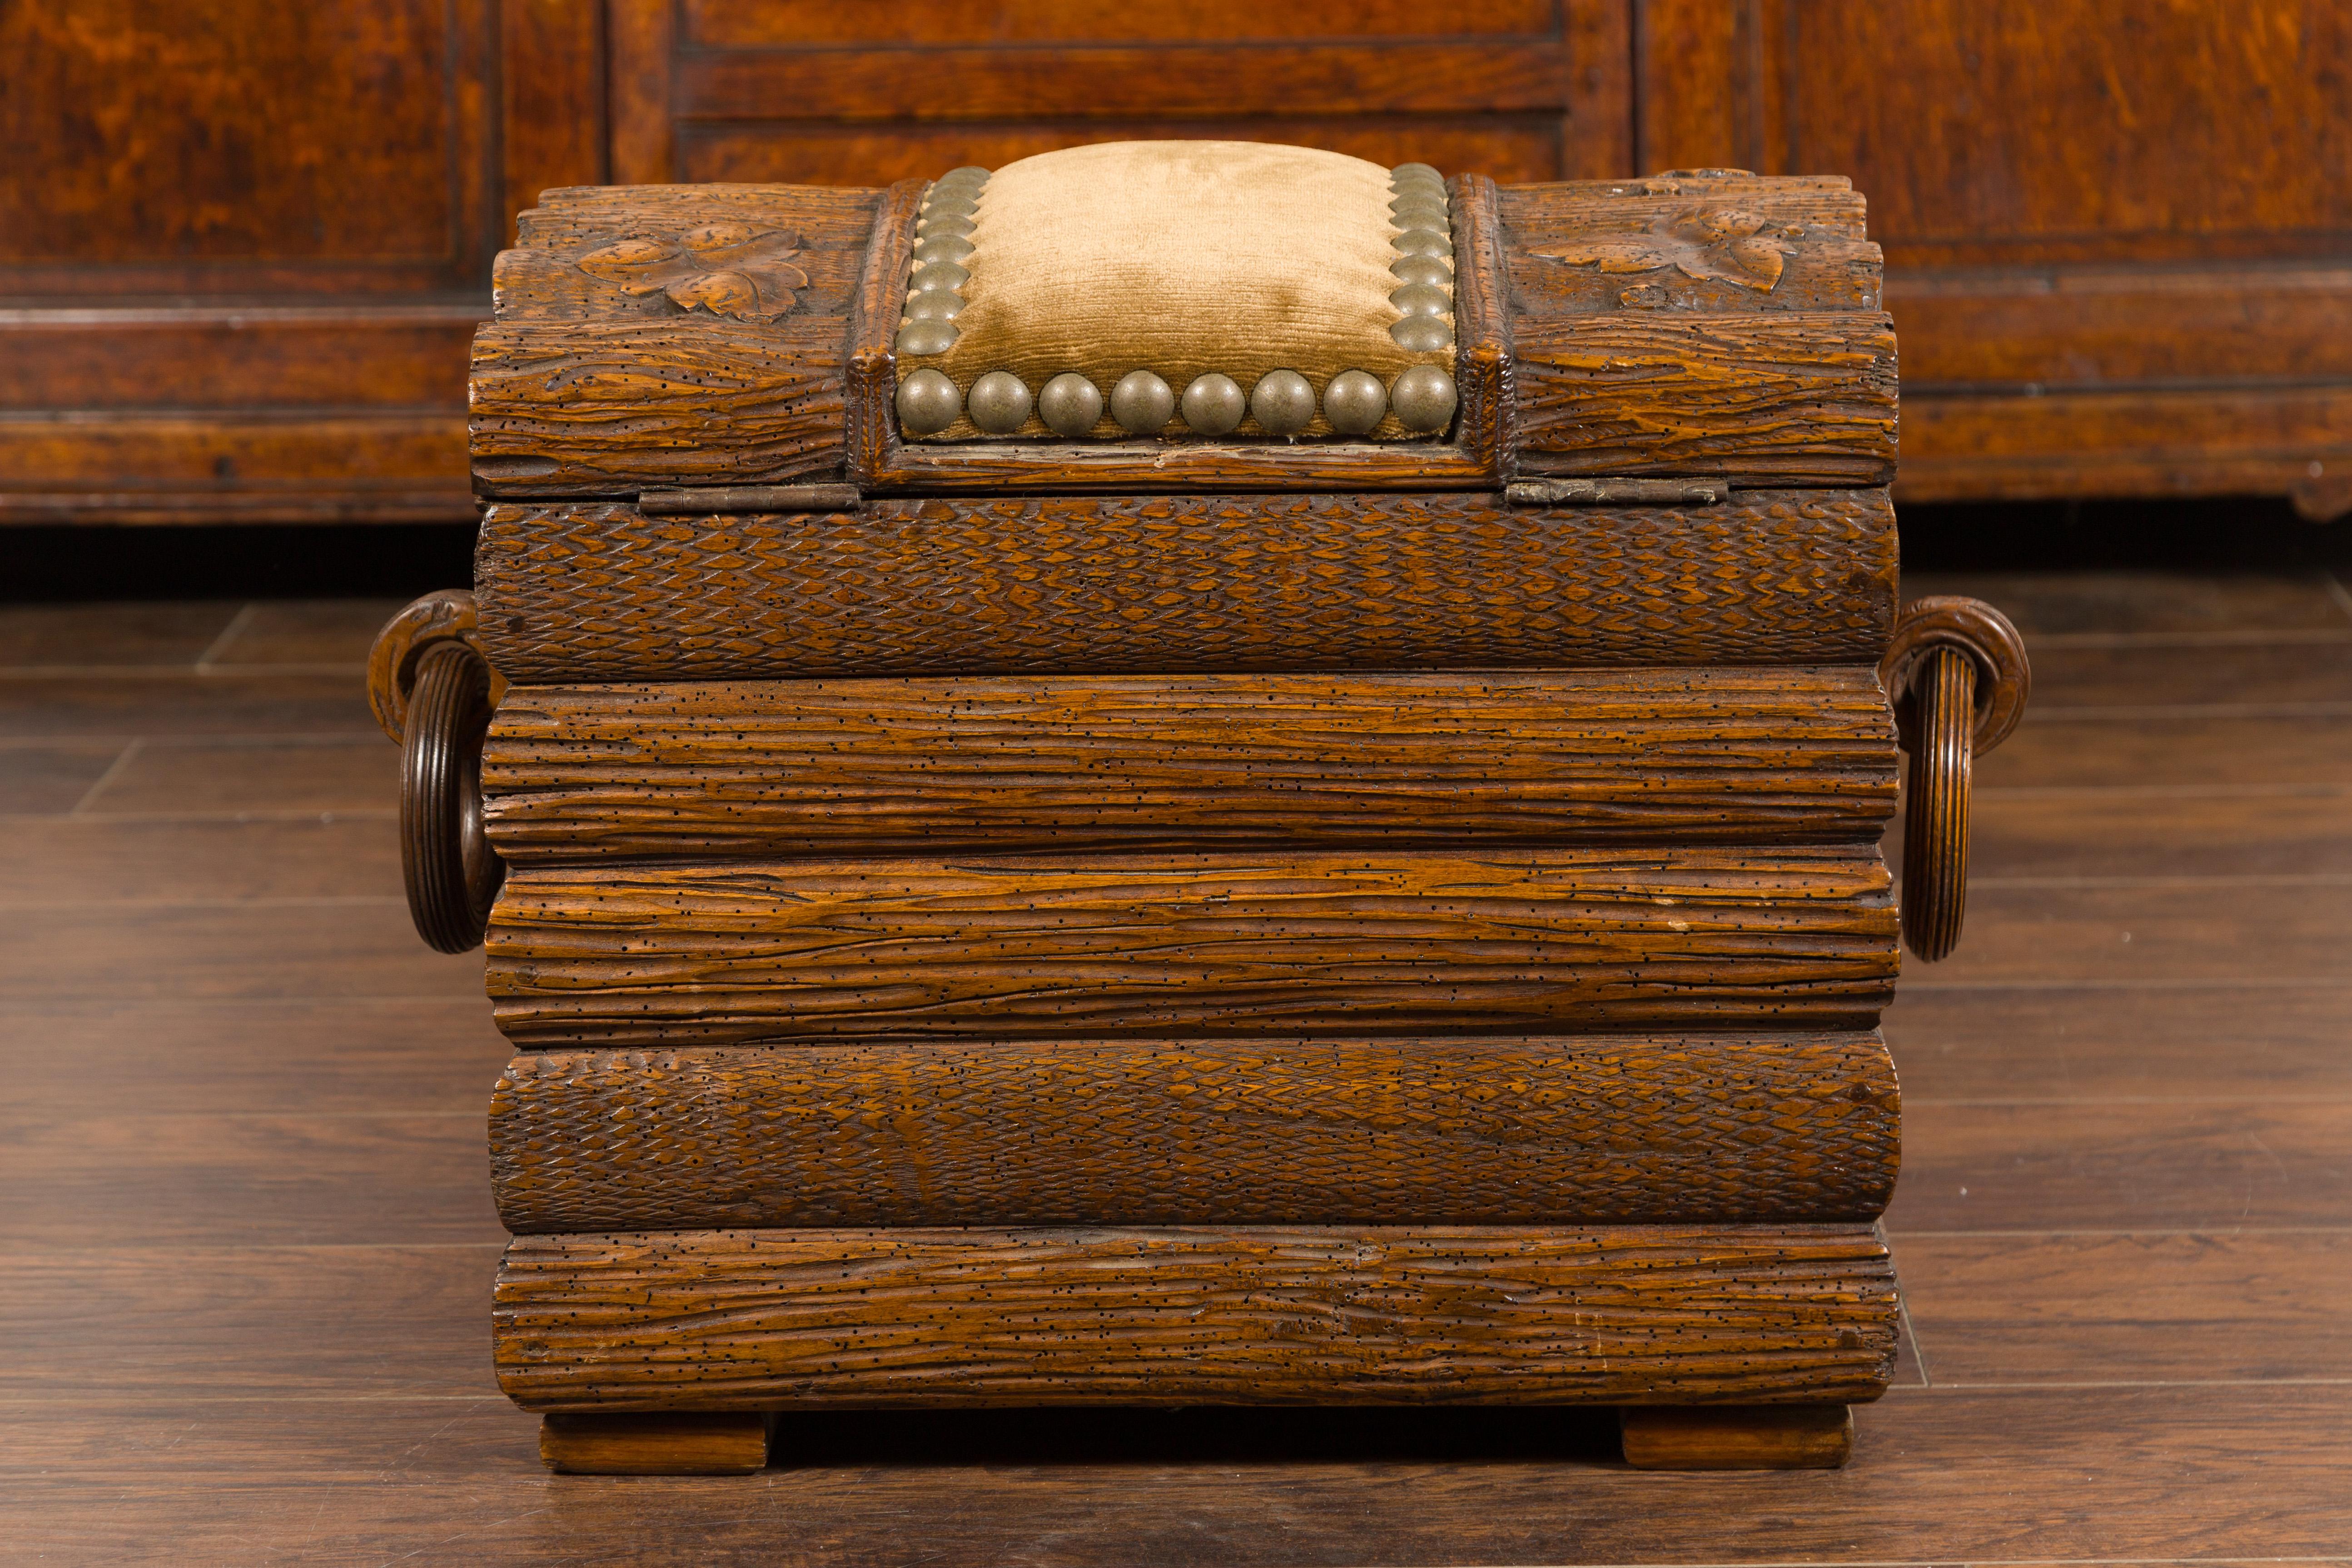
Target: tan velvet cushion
x=1182, y=258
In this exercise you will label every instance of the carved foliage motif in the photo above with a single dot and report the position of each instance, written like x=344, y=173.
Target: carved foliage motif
x=1710, y=244
x=727, y=269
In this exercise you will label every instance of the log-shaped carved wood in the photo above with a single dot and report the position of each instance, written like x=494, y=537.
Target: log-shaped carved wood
x=1717, y=243
x=1460, y=1132
x=1188, y=946
x=834, y=224
x=758, y=1319
x=645, y=337
x=569, y=407
x=1786, y=399
x=1132, y=762
x=1086, y=584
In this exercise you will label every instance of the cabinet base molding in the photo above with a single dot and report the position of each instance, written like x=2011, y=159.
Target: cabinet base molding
x=1736, y=1436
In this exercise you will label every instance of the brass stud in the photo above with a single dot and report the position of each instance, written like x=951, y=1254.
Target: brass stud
x=1422, y=242
x=1142, y=403
x=934, y=305
x=1424, y=397
x=1070, y=405
x=1214, y=403
x=1423, y=170
x=998, y=403
x=928, y=403
x=940, y=275
x=1422, y=269
x=1422, y=335
x=1283, y=402
x=1354, y=402
x=1422, y=299
x=943, y=247
x=925, y=338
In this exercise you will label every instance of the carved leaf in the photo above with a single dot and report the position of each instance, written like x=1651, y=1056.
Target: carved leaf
x=727, y=236
x=638, y=266
x=1723, y=245
x=1761, y=258
x=720, y=293
x=727, y=269
x=1612, y=255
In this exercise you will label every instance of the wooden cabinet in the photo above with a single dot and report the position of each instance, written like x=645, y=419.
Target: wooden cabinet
x=2119, y=235
x=242, y=248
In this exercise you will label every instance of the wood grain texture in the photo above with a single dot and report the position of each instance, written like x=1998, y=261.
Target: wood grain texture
x=1801, y=398
x=2056, y=223
x=1504, y=146
x=1426, y=1315
x=221, y=151
x=655, y=1442
x=581, y=408
x=872, y=94
x=1176, y=81
x=816, y=24
x=552, y=121
x=322, y=464
x=707, y=769
x=1736, y=1436
x=542, y=279
x=1456, y=1131
x=1111, y=585
x=2249, y=440
x=1813, y=224
x=1192, y=945
x=641, y=36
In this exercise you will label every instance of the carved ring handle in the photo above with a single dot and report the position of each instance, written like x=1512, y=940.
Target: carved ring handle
x=433, y=692
x=1957, y=675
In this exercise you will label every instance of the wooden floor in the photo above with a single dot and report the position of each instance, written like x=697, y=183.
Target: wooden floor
x=249, y=1240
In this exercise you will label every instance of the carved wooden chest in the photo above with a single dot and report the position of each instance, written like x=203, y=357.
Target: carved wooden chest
x=1071, y=889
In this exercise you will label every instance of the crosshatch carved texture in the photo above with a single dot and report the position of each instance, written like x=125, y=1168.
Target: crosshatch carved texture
x=1558, y=940
x=1427, y=1314
x=1163, y=1132
x=1189, y=761
x=1084, y=584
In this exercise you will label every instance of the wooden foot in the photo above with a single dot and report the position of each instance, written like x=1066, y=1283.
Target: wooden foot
x=655, y=1443
x=1736, y=1436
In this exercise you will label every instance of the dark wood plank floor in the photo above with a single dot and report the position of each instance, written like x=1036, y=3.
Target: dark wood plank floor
x=249, y=1241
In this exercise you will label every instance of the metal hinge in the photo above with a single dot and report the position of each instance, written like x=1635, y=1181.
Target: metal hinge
x=1617, y=492
x=749, y=497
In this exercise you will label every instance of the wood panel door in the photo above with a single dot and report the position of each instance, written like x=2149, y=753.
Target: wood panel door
x=2119, y=232
x=244, y=246
x=827, y=93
